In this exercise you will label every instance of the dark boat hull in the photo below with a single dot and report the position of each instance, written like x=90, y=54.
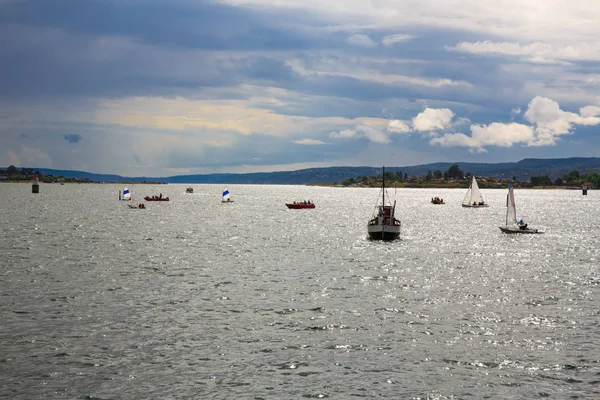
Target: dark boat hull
x=156, y=199
x=384, y=235
x=520, y=231
x=299, y=206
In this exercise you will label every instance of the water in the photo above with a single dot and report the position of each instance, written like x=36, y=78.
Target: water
x=192, y=299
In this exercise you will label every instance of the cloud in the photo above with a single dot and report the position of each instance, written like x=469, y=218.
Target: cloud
x=551, y=122
x=363, y=132
x=361, y=40
x=432, y=120
x=548, y=123
x=494, y=134
x=309, y=142
x=72, y=138
x=589, y=111
x=398, y=127
x=195, y=85
x=537, y=52
x=29, y=157
x=391, y=40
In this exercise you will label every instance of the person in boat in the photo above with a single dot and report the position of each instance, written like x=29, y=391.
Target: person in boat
x=523, y=227
x=160, y=196
x=481, y=203
x=474, y=203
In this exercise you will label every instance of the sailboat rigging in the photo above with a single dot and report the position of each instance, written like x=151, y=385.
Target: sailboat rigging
x=511, y=223
x=473, y=197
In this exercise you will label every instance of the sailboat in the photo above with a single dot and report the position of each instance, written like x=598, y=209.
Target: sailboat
x=226, y=197
x=512, y=225
x=473, y=197
x=383, y=225
x=126, y=194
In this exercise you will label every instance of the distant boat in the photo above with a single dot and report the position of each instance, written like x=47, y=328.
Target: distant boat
x=297, y=205
x=126, y=195
x=226, y=197
x=189, y=190
x=383, y=225
x=156, y=198
x=140, y=206
x=473, y=197
x=437, y=200
x=512, y=225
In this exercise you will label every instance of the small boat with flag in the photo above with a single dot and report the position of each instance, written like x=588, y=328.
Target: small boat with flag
x=226, y=197
x=297, y=205
x=383, y=225
x=511, y=224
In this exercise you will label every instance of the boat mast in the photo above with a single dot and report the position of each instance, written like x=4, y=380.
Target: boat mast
x=383, y=209
x=383, y=185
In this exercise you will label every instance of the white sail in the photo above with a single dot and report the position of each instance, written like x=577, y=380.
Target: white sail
x=126, y=194
x=511, y=209
x=473, y=194
x=467, y=200
x=226, y=197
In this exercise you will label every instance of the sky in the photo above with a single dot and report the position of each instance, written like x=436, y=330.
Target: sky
x=173, y=87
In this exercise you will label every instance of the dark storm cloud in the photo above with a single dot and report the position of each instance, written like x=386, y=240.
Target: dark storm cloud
x=72, y=138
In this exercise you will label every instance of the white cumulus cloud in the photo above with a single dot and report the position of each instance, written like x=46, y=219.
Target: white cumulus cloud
x=547, y=123
x=398, y=126
x=551, y=122
x=433, y=119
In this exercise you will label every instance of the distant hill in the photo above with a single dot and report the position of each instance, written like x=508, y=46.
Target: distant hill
x=522, y=170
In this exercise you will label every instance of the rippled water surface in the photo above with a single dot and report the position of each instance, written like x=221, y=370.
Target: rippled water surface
x=193, y=299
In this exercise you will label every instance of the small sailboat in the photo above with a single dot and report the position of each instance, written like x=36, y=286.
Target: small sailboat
x=126, y=196
x=383, y=225
x=473, y=197
x=226, y=197
x=512, y=225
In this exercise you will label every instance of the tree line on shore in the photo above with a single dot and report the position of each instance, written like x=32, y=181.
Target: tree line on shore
x=455, y=177
x=452, y=177
x=14, y=174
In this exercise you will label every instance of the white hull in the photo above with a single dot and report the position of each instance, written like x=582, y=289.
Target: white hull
x=475, y=206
